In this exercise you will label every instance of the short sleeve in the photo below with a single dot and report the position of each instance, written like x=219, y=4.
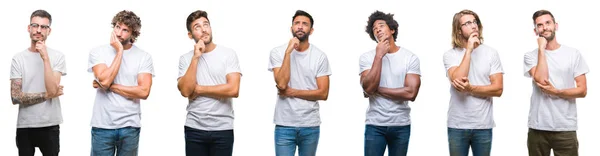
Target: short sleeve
x=529, y=61
x=147, y=65
x=451, y=60
x=324, y=69
x=496, y=64
x=94, y=59
x=15, y=69
x=365, y=63
x=579, y=65
x=184, y=64
x=60, y=65
x=233, y=64
x=275, y=59
x=414, y=66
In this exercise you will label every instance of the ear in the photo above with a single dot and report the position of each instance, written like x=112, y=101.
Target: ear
x=311, y=31
x=555, y=26
x=292, y=29
x=536, y=32
x=190, y=35
x=49, y=31
x=28, y=28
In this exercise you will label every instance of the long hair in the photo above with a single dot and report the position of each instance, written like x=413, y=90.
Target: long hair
x=457, y=38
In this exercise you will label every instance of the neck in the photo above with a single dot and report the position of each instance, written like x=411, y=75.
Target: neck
x=210, y=47
x=393, y=47
x=32, y=47
x=552, y=45
x=302, y=46
x=127, y=46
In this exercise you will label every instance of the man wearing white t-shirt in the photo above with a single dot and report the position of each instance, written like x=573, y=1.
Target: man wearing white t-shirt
x=123, y=75
x=209, y=76
x=390, y=76
x=558, y=77
x=35, y=86
x=475, y=72
x=301, y=72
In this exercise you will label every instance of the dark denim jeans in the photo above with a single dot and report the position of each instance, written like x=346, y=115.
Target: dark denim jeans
x=208, y=143
x=396, y=138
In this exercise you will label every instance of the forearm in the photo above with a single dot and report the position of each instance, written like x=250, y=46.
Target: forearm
x=107, y=76
x=131, y=92
x=371, y=81
x=188, y=82
x=50, y=80
x=217, y=91
x=487, y=90
x=541, y=71
x=404, y=93
x=578, y=92
x=283, y=76
x=310, y=95
x=463, y=69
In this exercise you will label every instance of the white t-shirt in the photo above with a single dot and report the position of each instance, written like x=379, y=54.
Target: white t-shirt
x=111, y=110
x=29, y=67
x=394, y=68
x=305, y=68
x=468, y=111
x=548, y=112
x=207, y=113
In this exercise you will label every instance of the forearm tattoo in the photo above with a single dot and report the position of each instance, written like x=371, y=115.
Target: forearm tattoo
x=18, y=97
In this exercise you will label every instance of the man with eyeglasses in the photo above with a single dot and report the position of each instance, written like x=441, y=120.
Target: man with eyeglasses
x=390, y=76
x=558, y=77
x=123, y=75
x=475, y=72
x=35, y=86
x=209, y=76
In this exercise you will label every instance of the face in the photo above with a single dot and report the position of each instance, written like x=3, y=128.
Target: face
x=39, y=29
x=301, y=28
x=545, y=27
x=468, y=25
x=123, y=33
x=201, y=30
x=382, y=31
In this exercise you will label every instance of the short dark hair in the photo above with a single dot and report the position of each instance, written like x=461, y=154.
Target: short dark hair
x=541, y=13
x=42, y=14
x=304, y=13
x=194, y=16
x=389, y=20
x=130, y=20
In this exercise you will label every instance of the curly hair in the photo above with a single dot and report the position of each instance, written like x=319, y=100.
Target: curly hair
x=389, y=20
x=130, y=20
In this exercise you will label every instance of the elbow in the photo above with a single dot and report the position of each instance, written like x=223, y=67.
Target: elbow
x=369, y=90
x=185, y=93
x=281, y=86
x=145, y=95
x=499, y=92
x=413, y=97
x=584, y=93
x=235, y=93
x=324, y=96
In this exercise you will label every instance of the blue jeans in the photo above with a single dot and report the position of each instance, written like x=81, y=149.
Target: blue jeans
x=480, y=140
x=394, y=137
x=123, y=141
x=208, y=143
x=287, y=138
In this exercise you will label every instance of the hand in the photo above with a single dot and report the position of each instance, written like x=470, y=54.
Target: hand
x=58, y=93
x=542, y=42
x=383, y=47
x=288, y=92
x=473, y=41
x=462, y=85
x=95, y=84
x=199, y=48
x=293, y=44
x=40, y=46
x=115, y=43
x=548, y=88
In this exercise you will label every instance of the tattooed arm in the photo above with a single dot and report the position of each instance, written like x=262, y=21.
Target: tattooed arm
x=18, y=97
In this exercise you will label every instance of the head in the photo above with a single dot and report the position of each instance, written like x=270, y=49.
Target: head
x=464, y=24
x=381, y=26
x=545, y=25
x=126, y=26
x=302, y=25
x=39, y=25
x=198, y=27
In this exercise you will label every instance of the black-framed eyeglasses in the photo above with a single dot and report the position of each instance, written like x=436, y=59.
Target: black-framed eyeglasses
x=35, y=25
x=469, y=23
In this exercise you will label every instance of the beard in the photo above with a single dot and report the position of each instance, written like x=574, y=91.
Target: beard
x=302, y=38
x=551, y=37
x=36, y=39
x=196, y=39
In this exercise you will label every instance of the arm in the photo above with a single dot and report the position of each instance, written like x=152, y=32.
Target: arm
x=141, y=91
x=463, y=69
x=229, y=90
x=187, y=83
x=321, y=93
x=540, y=71
x=369, y=79
x=282, y=74
x=106, y=75
x=579, y=91
x=412, y=83
x=494, y=89
x=18, y=97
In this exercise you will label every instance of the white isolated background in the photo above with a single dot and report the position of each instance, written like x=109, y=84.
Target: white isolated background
x=253, y=28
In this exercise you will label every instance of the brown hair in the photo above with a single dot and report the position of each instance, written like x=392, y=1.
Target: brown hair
x=457, y=38
x=194, y=16
x=42, y=14
x=541, y=13
x=130, y=20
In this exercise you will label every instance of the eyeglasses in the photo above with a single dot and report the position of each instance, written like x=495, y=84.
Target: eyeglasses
x=35, y=26
x=469, y=23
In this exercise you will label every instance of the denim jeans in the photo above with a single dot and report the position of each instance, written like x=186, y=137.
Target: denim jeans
x=208, y=143
x=479, y=140
x=287, y=138
x=45, y=138
x=394, y=137
x=122, y=141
